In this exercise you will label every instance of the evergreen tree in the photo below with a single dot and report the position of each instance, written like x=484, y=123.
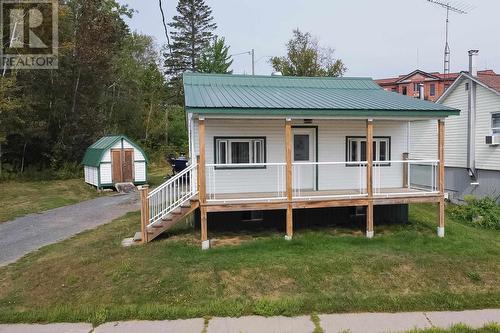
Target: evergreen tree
x=215, y=58
x=192, y=33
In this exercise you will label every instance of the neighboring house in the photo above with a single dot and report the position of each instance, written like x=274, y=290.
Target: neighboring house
x=419, y=84
x=114, y=159
x=472, y=139
x=290, y=144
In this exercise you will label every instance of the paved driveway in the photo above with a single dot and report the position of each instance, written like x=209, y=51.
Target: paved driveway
x=30, y=232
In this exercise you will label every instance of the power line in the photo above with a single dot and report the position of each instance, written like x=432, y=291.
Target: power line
x=165, y=26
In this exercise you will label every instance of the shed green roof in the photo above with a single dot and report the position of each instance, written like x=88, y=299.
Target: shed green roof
x=95, y=152
x=311, y=96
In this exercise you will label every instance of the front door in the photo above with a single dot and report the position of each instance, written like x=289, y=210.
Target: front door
x=304, y=150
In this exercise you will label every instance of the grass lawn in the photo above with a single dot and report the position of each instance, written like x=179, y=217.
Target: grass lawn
x=462, y=329
x=404, y=268
x=21, y=198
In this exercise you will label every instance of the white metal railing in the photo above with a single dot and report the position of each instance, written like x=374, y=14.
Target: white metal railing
x=388, y=177
x=255, y=182
x=172, y=194
x=337, y=180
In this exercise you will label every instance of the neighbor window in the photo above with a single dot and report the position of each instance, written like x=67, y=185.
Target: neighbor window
x=405, y=90
x=239, y=150
x=495, y=123
x=432, y=89
x=356, y=149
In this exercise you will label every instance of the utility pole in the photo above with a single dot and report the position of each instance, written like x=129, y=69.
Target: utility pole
x=253, y=62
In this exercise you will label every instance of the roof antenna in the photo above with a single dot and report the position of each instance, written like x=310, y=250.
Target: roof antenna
x=455, y=7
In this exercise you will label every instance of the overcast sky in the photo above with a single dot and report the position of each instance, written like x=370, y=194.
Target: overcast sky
x=374, y=38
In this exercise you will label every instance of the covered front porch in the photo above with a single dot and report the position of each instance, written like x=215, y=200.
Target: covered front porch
x=319, y=166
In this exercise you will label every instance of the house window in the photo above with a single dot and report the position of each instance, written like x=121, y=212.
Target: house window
x=356, y=149
x=236, y=150
x=432, y=89
x=405, y=90
x=495, y=123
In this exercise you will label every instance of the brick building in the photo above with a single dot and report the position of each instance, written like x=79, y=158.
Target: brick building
x=434, y=84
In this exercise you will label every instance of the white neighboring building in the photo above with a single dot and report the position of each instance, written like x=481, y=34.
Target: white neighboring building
x=472, y=141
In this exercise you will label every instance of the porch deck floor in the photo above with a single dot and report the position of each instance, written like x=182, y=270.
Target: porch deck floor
x=308, y=195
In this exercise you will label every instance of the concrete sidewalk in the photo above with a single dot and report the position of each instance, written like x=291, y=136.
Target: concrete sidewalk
x=332, y=323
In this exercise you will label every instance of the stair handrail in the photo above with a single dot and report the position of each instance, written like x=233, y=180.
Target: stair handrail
x=172, y=179
x=172, y=194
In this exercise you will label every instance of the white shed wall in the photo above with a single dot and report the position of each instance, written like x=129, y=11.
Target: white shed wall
x=106, y=177
x=91, y=175
x=332, y=148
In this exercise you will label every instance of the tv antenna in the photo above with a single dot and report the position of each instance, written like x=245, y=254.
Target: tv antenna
x=455, y=7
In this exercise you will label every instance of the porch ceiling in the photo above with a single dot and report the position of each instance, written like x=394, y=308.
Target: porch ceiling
x=299, y=96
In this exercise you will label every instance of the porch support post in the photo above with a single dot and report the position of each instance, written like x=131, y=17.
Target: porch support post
x=369, y=177
x=289, y=179
x=406, y=170
x=202, y=190
x=441, y=133
x=144, y=213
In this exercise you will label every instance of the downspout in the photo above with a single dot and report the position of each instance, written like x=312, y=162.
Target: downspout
x=471, y=117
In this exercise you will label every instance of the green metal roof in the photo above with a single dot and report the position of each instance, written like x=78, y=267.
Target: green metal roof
x=287, y=95
x=95, y=152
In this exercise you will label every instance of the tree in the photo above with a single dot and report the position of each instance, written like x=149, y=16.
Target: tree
x=215, y=58
x=306, y=58
x=192, y=33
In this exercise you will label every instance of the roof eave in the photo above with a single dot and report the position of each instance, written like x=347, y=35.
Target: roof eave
x=325, y=112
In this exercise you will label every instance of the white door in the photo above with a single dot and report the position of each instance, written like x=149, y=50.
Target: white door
x=303, y=151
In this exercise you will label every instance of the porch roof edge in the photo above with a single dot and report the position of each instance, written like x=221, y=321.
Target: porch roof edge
x=324, y=113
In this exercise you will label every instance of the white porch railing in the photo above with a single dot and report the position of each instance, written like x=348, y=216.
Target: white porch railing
x=316, y=180
x=246, y=182
x=389, y=177
x=172, y=194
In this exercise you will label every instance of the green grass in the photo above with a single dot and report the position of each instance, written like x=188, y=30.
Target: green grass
x=404, y=268
x=19, y=198
x=493, y=328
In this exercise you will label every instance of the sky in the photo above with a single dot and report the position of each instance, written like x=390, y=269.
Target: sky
x=374, y=38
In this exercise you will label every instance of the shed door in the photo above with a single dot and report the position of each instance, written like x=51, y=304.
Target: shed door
x=116, y=164
x=122, y=162
x=128, y=165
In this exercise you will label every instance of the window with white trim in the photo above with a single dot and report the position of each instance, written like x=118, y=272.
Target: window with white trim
x=495, y=123
x=356, y=149
x=236, y=150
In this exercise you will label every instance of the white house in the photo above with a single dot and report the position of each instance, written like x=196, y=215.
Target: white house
x=275, y=143
x=472, y=140
x=114, y=159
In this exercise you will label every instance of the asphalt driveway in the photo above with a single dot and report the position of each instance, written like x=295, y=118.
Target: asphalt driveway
x=28, y=233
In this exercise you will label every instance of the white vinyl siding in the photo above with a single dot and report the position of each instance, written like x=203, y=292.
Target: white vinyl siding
x=332, y=136
x=91, y=175
x=487, y=103
x=424, y=133
x=140, y=171
x=105, y=169
x=424, y=140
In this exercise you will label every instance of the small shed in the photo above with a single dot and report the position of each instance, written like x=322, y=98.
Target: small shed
x=115, y=159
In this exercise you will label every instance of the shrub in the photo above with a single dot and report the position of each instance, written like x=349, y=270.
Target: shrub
x=484, y=212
